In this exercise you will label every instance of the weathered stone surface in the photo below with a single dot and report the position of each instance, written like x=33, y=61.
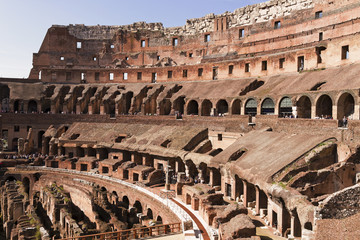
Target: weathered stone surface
x=240, y=226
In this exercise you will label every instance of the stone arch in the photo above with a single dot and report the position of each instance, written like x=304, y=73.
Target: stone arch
x=267, y=106
x=46, y=105
x=159, y=219
x=303, y=107
x=125, y=103
x=126, y=201
x=236, y=107
x=285, y=107
x=179, y=104
x=206, y=107
x=4, y=92
x=137, y=205
x=4, y=97
x=17, y=105
x=191, y=168
x=40, y=135
x=110, y=107
x=165, y=107
x=32, y=106
x=149, y=213
x=239, y=187
x=114, y=197
x=222, y=106
x=251, y=107
x=324, y=106
x=345, y=105
x=192, y=108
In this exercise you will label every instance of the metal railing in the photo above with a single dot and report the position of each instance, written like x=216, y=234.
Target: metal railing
x=134, y=233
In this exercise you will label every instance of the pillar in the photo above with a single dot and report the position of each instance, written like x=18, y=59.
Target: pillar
x=116, y=108
x=334, y=112
x=356, y=112
x=245, y=193
x=187, y=171
x=313, y=111
x=257, y=206
x=90, y=109
x=78, y=108
x=53, y=108
x=102, y=109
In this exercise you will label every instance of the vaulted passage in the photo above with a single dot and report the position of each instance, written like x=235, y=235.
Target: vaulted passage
x=222, y=107
x=32, y=106
x=285, y=107
x=346, y=106
x=193, y=108
x=206, y=107
x=165, y=107
x=324, y=107
x=267, y=107
x=303, y=107
x=236, y=107
x=251, y=107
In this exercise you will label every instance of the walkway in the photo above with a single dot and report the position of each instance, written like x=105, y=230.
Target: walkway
x=197, y=221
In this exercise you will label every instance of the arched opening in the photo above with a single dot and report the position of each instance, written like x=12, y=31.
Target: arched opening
x=159, y=219
x=267, y=107
x=114, y=198
x=149, y=214
x=32, y=106
x=206, y=107
x=165, y=107
x=14, y=144
x=222, y=107
x=251, y=107
x=103, y=189
x=126, y=202
x=236, y=107
x=40, y=134
x=285, y=107
x=308, y=226
x=26, y=184
x=16, y=106
x=126, y=103
x=303, y=107
x=179, y=104
x=193, y=108
x=110, y=107
x=345, y=106
x=46, y=106
x=138, y=207
x=4, y=97
x=324, y=107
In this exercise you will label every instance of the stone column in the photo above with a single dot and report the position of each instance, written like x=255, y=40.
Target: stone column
x=356, y=112
x=187, y=171
x=102, y=109
x=90, y=109
x=334, y=112
x=257, y=206
x=313, y=111
x=245, y=193
x=78, y=108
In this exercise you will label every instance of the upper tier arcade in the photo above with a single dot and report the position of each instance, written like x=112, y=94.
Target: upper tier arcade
x=265, y=39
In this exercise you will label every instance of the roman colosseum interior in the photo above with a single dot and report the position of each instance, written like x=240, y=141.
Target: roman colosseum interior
x=244, y=125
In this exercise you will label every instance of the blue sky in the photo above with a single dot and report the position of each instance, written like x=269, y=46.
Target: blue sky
x=24, y=23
